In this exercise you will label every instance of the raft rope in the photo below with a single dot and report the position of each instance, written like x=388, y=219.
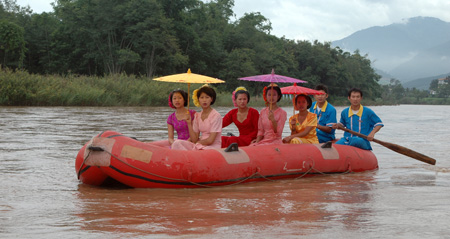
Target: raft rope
x=254, y=175
x=82, y=164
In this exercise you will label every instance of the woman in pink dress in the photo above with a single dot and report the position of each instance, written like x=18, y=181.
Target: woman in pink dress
x=271, y=119
x=244, y=117
x=177, y=120
x=207, y=125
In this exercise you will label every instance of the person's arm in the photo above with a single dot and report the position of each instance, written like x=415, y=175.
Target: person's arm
x=325, y=129
x=329, y=121
x=260, y=134
x=254, y=121
x=170, y=132
x=209, y=140
x=373, y=132
x=258, y=138
x=193, y=129
x=227, y=119
x=271, y=117
x=280, y=123
x=299, y=135
x=342, y=122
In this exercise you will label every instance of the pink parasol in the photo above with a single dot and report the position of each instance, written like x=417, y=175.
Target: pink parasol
x=272, y=77
x=298, y=90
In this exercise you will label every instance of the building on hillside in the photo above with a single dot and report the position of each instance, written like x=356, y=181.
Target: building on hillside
x=443, y=81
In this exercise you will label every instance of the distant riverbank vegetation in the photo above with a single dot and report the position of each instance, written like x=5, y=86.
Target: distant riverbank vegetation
x=83, y=54
x=20, y=88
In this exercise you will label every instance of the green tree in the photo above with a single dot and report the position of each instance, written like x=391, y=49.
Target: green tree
x=434, y=85
x=12, y=44
x=112, y=44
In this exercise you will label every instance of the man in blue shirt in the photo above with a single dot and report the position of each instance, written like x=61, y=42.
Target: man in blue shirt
x=360, y=119
x=326, y=115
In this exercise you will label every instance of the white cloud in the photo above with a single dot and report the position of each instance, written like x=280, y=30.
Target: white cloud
x=328, y=20
x=38, y=6
x=324, y=20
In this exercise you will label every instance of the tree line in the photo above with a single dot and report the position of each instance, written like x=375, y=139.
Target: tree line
x=149, y=38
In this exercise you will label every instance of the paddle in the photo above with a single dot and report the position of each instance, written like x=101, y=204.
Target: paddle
x=395, y=147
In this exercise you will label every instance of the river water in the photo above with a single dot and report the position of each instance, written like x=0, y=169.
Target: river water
x=40, y=196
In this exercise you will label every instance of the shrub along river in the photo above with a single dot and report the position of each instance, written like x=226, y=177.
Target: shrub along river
x=40, y=195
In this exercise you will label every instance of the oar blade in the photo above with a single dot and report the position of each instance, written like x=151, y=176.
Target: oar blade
x=408, y=152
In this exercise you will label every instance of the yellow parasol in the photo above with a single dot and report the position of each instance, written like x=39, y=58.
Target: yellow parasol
x=189, y=78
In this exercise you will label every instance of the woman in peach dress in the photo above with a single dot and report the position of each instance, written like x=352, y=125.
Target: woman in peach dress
x=271, y=119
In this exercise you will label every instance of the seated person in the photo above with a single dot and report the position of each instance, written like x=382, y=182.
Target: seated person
x=177, y=120
x=244, y=117
x=360, y=119
x=271, y=119
x=206, y=128
x=326, y=115
x=303, y=125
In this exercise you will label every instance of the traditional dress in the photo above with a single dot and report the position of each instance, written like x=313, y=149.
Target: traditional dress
x=265, y=127
x=205, y=127
x=311, y=137
x=179, y=126
x=326, y=116
x=248, y=129
x=362, y=122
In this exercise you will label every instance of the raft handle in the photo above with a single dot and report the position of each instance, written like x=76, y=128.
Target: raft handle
x=327, y=145
x=95, y=148
x=232, y=147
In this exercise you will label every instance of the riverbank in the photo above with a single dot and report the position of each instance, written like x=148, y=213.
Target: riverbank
x=20, y=88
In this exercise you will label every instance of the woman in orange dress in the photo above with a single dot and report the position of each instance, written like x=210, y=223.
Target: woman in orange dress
x=303, y=125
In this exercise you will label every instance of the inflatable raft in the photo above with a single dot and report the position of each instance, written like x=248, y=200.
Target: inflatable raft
x=111, y=155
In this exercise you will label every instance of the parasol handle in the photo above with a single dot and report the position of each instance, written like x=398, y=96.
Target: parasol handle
x=189, y=86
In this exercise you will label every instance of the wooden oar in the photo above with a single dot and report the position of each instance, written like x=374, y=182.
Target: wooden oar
x=397, y=148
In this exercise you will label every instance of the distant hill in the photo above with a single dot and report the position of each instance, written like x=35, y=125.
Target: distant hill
x=423, y=83
x=416, y=48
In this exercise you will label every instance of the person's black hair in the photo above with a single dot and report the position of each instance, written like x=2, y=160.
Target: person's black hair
x=354, y=90
x=183, y=93
x=277, y=89
x=209, y=91
x=322, y=87
x=242, y=92
x=308, y=99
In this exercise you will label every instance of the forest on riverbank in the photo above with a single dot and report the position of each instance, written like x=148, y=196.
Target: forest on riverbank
x=83, y=54
x=20, y=88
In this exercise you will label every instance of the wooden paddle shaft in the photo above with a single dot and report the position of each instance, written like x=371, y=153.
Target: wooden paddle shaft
x=397, y=148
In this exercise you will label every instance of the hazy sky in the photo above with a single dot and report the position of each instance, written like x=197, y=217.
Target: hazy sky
x=324, y=20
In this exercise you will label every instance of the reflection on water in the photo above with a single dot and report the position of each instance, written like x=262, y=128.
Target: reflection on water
x=40, y=194
x=290, y=206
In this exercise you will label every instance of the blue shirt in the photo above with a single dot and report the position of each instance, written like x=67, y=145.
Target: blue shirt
x=325, y=117
x=362, y=122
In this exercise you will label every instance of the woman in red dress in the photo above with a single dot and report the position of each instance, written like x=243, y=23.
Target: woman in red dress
x=244, y=117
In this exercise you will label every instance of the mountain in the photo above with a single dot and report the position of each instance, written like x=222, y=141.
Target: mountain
x=416, y=48
x=423, y=83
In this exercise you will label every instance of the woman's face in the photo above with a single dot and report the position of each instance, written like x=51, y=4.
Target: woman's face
x=301, y=104
x=177, y=100
x=272, y=96
x=241, y=100
x=205, y=100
